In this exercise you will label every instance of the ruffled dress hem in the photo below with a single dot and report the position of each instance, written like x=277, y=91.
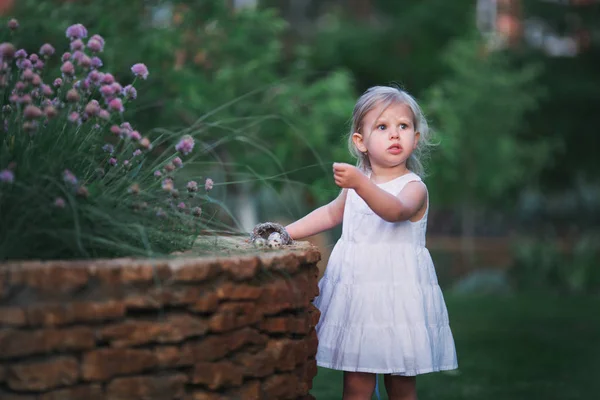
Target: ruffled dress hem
x=387, y=371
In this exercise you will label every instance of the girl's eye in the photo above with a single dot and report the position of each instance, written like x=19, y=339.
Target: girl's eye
x=381, y=127
x=403, y=126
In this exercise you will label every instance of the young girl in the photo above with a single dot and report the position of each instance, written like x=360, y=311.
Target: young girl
x=382, y=310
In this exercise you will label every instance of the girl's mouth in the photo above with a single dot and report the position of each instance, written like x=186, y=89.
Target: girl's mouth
x=395, y=149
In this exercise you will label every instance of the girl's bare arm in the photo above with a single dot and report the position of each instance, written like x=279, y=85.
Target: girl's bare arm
x=321, y=219
x=393, y=208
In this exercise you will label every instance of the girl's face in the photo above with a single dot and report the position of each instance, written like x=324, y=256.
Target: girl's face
x=388, y=137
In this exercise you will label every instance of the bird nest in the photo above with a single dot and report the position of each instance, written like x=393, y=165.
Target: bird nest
x=266, y=229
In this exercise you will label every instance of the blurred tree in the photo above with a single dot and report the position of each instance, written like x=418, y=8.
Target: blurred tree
x=569, y=111
x=380, y=41
x=479, y=110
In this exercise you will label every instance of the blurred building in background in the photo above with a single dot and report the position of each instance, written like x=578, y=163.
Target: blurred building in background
x=507, y=23
x=5, y=6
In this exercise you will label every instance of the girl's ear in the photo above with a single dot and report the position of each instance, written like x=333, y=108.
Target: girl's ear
x=417, y=137
x=357, y=139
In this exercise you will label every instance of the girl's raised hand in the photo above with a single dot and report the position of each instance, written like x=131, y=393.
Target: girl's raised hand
x=347, y=176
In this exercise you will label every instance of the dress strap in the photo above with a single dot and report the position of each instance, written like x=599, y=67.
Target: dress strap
x=402, y=181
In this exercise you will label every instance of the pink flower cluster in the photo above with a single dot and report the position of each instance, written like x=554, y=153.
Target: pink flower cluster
x=88, y=98
x=185, y=145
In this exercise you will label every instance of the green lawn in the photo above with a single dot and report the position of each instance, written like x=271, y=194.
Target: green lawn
x=511, y=348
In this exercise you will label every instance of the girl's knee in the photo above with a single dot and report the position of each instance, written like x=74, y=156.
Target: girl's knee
x=358, y=385
x=401, y=387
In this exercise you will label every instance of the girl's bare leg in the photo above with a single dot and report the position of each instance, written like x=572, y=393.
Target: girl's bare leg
x=358, y=385
x=400, y=387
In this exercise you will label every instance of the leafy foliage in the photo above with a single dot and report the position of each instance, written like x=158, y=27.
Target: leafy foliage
x=479, y=110
x=542, y=264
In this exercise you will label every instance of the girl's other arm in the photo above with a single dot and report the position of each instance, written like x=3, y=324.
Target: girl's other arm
x=321, y=219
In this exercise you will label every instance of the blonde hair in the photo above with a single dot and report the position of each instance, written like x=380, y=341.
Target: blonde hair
x=386, y=96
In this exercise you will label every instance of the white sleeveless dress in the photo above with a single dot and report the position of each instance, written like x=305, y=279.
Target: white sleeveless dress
x=382, y=310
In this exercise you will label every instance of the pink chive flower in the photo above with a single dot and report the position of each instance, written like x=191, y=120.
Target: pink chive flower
x=167, y=185
x=197, y=211
x=7, y=50
x=177, y=162
x=116, y=105
x=39, y=65
x=24, y=64
x=34, y=57
x=103, y=114
x=185, y=145
x=95, y=45
x=126, y=126
x=96, y=62
x=27, y=75
x=108, y=78
x=66, y=57
x=50, y=111
x=117, y=88
x=181, y=206
x=129, y=92
x=76, y=31
x=47, y=50
x=32, y=112
x=135, y=135
x=145, y=143
x=68, y=68
x=157, y=173
x=113, y=161
x=20, y=86
x=30, y=126
x=7, y=176
x=13, y=24
x=98, y=38
x=36, y=80
x=25, y=99
x=126, y=162
x=208, y=184
x=20, y=54
x=73, y=96
x=107, y=91
x=77, y=44
x=109, y=148
x=57, y=82
x=69, y=178
x=192, y=186
x=59, y=202
x=94, y=76
x=92, y=108
x=137, y=153
x=84, y=61
x=169, y=167
x=115, y=130
x=74, y=117
x=77, y=55
x=140, y=70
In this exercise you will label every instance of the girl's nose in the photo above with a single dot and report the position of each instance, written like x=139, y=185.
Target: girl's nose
x=394, y=133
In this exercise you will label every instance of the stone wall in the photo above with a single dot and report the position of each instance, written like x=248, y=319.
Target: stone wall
x=235, y=327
